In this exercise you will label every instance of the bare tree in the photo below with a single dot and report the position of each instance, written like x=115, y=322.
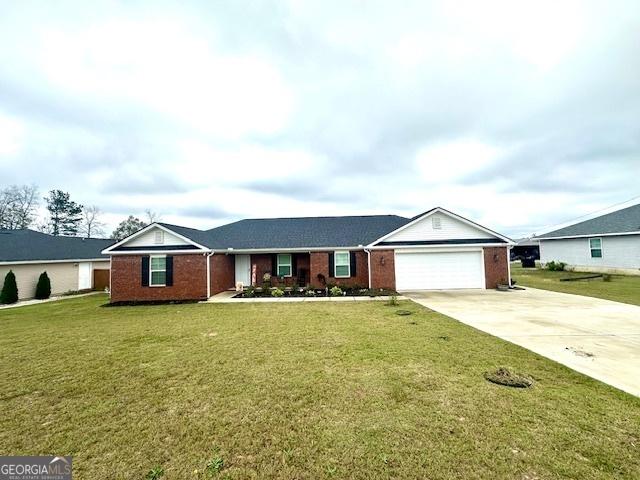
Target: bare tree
x=91, y=226
x=152, y=216
x=18, y=204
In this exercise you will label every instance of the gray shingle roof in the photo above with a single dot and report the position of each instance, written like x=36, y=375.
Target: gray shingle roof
x=621, y=221
x=304, y=232
x=29, y=245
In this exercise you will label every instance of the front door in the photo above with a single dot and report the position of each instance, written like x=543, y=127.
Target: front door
x=243, y=269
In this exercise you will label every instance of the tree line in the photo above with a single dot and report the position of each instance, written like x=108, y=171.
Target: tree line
x=19, y=206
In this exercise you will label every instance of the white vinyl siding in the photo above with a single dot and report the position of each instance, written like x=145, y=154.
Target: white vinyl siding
x=158, y=271
x=284, y=265
x=621, y=251
x=446, y=228
x=151, y=237
x=439, y=270
x=64, y=276
x=342, y=264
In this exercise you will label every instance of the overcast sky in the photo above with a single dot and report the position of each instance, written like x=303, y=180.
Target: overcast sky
x=516, y=116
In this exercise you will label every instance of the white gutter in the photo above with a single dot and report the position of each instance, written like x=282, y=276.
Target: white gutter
x=591, y=235
x=158, y=252
x=74, y=260
x=437, y=245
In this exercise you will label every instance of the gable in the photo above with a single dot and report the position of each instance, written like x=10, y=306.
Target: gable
x=440, y=227
x=148, y=239
x=154, y=237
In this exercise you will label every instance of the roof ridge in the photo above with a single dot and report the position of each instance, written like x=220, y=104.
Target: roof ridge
x=324, y=216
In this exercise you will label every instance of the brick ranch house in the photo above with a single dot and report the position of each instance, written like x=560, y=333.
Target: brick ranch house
x=434, y=250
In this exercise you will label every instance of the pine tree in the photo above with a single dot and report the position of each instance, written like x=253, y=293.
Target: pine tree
x=9, y=293
x=65, y=214
x=43, y=289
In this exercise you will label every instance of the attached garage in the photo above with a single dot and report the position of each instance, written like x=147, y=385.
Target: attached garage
x=439, y=270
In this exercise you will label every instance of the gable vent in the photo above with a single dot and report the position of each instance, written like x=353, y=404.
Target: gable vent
x=436, y=223
x=159, y=238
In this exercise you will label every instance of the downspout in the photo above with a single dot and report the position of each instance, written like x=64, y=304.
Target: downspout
x=368, y=265
x=208, y=256
x=509, y=264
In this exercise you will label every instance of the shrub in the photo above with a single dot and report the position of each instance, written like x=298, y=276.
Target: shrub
x=9, y=293
x=606, y=277
x=277, y=292
x=249, y=292
x=310, y=293
x=335, y=291
x=43, y=288
x=554, y=266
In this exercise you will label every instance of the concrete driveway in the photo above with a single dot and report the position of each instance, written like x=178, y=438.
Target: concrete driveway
x=596, y=337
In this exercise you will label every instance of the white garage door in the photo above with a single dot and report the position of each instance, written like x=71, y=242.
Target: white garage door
x=439, y=270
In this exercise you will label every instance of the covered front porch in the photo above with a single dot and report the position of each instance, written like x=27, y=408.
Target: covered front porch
x=291, y=269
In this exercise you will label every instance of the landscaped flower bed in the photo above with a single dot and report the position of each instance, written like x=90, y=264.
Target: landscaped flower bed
x=329, y=291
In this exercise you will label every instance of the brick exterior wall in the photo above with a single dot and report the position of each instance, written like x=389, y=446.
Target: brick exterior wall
x=383, y=269
x=319, y=264
x=262, y=263
x=189, y=279
x=496, y=266
x=223, y=272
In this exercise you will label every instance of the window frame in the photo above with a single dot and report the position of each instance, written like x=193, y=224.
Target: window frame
x=591, y=249
x=152, y=270
x=284, y=264
x=436, y=223
x=336, y=265
x=158, y=237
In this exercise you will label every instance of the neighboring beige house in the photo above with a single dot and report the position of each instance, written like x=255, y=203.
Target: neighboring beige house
x=71, y=263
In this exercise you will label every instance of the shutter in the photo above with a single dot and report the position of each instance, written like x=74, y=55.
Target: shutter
x=274, y=264
x=332, y=270
x=352, y=262
x=294, y=265
x=169, y=274
x=145, y=271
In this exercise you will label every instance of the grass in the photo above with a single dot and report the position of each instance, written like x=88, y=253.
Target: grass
x=621, y=288
x=304, y=391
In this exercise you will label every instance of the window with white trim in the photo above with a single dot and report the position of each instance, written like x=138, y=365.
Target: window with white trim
x=159, y=237
x=284, y=265
x=158, y=271
x=436, y=223
x=342, y=264
x=595, y=247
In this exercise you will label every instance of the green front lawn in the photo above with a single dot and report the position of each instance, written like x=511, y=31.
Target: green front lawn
x=297, y=390
x=621, y=288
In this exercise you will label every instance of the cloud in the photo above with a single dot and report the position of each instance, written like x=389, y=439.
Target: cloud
x=515, y=115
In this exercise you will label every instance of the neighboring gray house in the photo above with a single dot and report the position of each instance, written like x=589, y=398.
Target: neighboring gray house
x=71, y=263
x=608, y=243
